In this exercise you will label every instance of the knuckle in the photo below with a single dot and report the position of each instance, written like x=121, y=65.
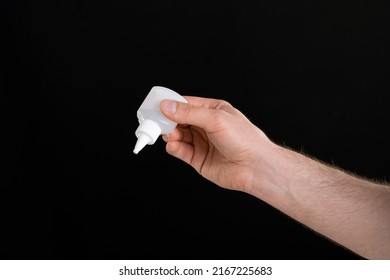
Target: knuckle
x=223, y=105
x=220, y=119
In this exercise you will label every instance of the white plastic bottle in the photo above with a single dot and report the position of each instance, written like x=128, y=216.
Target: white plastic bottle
x=152, y=123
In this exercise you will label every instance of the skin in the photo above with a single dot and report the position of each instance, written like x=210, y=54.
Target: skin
x=223, y=146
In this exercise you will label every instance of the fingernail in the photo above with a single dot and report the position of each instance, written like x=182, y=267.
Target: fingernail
x=169, y=106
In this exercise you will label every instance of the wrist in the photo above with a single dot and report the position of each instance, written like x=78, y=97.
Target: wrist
x=279, y=175
x=270, y=174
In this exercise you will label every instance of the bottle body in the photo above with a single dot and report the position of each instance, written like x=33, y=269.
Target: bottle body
x=150, y=108
x=152, y=122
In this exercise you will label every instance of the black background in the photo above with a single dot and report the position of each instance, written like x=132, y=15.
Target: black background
x=311, y=74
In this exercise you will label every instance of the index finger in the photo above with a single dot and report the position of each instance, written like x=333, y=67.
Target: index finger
x=208, y=103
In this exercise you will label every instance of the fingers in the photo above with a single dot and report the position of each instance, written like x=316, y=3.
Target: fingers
x=211, y=103
x=179, y=144
x=179, y=134
x=180, y=150
x=200, y=113
x=183, y=142
x=208, y=103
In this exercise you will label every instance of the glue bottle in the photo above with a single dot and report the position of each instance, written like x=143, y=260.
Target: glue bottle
x=152, y=123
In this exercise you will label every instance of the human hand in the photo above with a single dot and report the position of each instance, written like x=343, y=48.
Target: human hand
x=217, y=140
x=226, y=148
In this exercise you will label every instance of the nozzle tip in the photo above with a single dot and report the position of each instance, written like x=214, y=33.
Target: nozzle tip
x=143, y=140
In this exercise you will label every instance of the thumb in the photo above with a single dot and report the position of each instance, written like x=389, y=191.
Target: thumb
x=186, y=113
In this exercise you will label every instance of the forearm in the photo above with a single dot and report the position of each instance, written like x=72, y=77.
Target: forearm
x=351, y=211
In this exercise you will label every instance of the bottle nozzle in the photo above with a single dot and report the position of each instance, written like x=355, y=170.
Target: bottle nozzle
x=143, y=140
x=147, y=133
